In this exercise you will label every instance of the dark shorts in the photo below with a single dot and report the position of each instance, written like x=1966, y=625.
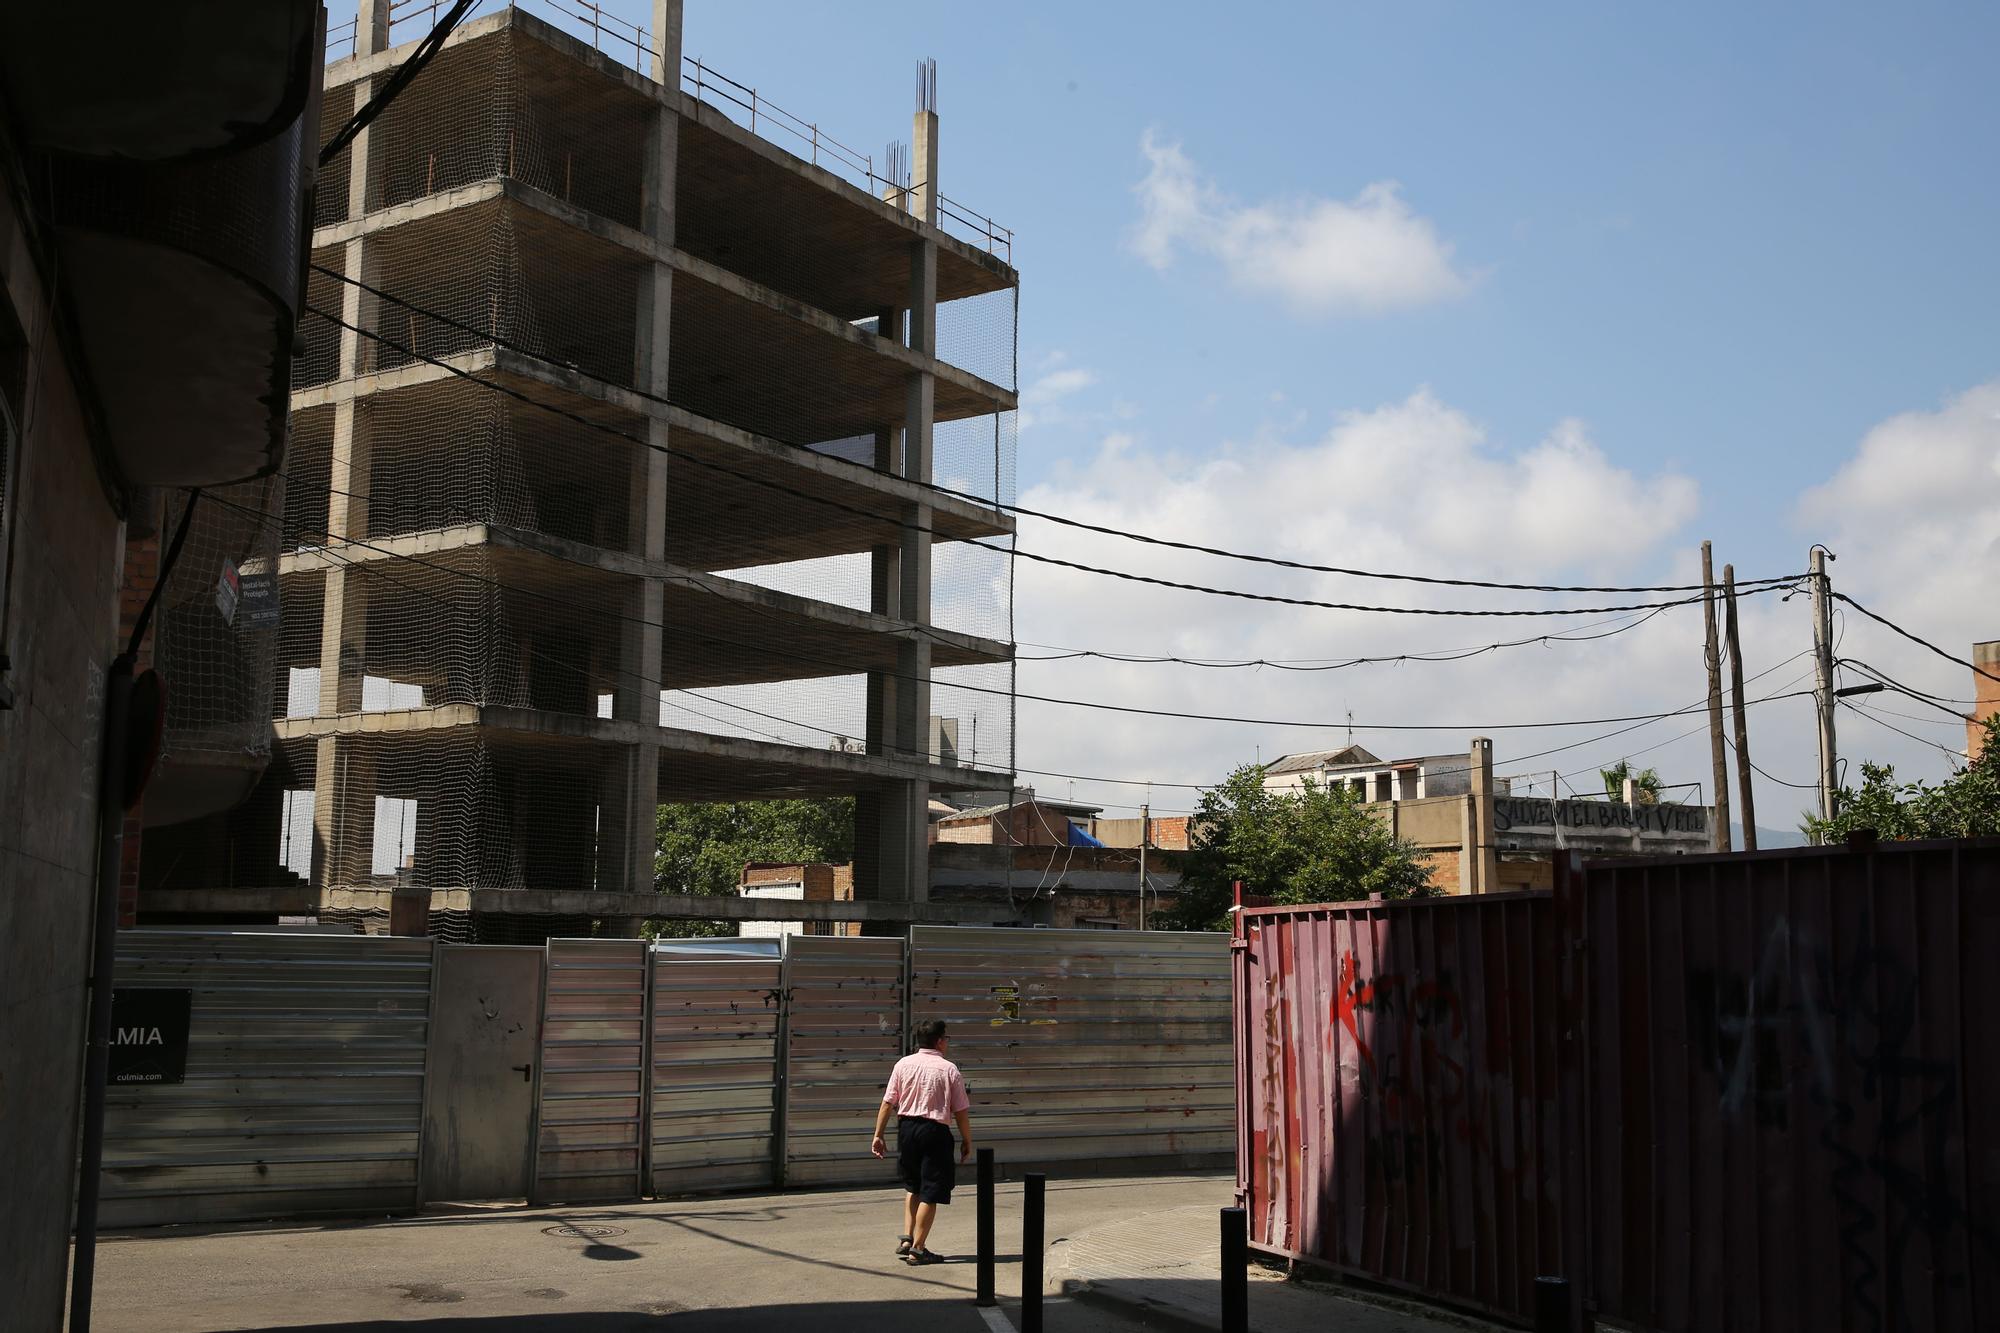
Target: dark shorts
x=924, y=1158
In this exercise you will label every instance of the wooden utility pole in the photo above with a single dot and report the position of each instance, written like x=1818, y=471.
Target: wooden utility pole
x=1822, y=614
x=1719, y=835
x=1744, y=803
x=1145, y=832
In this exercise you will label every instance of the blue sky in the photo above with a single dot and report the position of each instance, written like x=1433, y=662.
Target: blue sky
x=1709, y=248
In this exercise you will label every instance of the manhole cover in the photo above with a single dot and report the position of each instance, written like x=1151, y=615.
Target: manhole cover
x=583, y=1233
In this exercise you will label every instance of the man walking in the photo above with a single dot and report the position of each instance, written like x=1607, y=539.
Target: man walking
x=927, y=1094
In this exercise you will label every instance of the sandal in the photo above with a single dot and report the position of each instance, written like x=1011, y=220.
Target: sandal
x=924, y=1257
x=902, y=1245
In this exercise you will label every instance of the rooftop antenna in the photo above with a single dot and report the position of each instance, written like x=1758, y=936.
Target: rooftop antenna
x=927, y=86
x=1350, y=726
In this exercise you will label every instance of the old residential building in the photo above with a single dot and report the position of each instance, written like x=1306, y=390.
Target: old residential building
x=1476, y=835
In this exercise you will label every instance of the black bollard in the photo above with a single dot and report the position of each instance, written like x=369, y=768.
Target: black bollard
x=985, y=1296
x=1552, y=1305
x=1235, y=1271
x=1031, y=1251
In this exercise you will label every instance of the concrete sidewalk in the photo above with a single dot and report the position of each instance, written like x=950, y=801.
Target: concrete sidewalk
x=1165, y=1268
x=1122, y=1256
x=820, y=1261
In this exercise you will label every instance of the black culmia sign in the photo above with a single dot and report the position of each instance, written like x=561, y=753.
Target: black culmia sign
x=149, y=1034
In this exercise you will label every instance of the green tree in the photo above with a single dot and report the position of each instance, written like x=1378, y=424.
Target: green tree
x=1645, y=782
x=1313, y=845
x=1964, y=805
x=702, y=849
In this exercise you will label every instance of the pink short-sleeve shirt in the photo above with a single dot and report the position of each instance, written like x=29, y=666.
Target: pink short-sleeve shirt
x=928, y=1085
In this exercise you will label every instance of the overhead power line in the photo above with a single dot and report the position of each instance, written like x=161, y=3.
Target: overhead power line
x=1768, y=776
x=1872, y=716
x=397, y=82
x=1341, y=664
x=858, y=668
x=1276, y=598
x=1952, y=708
x=1127, y=534
x=906, y=752
x=1974, y=667
x=1060, y=654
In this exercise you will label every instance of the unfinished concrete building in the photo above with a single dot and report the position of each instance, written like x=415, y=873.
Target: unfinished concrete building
x=648, y=446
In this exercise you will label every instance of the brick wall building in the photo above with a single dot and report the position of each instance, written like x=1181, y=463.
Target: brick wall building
x=813, y=882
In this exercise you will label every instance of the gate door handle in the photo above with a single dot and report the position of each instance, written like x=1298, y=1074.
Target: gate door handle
x=527, y=1073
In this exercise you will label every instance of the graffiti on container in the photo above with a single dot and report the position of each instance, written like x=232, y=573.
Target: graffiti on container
x=1415, y=1069
x=1884, y=1110
x=1269, y=1147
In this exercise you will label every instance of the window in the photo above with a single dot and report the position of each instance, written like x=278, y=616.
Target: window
x=302, y=692
x=395, y=836
x=295, y=832
x=379, y=694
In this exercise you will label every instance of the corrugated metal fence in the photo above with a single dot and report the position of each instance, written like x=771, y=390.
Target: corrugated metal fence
x=590, y=1136
x=304, y=1085
x=715, y=1073
x=1793, y=1097
x=844, y=1027
x=1085, y=1045
x=660, y=1071
x=1718, y=1093
x=1399, y=1070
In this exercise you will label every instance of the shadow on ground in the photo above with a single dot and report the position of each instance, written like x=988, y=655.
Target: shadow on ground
x=932, y=1316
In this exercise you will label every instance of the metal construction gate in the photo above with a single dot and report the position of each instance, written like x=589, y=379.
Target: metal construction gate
x=1746, y=1093
x=1793, y=1104
x=1085, y=1045
x=591, y=1131
x=332, y=1073
x=714, y=1089
x=1398, y=1070
x=844, y=1028
x=304, y=1080
x=479, y=1095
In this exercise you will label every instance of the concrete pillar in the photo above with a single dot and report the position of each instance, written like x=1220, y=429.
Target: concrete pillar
x=892, y=859
x=344, y=775
x=629, y=796
x=1479, y=857
x=667, y=43
x=924, y=165
x=371, y=27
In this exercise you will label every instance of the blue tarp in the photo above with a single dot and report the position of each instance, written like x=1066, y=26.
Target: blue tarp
x=1078, y=838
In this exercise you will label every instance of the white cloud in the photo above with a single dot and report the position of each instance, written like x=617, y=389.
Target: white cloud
x=1320, y=256
x=1914, y=519
x=1042, y=399
x=1412, y=485
x=1418, y=485
x=1058, y=384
